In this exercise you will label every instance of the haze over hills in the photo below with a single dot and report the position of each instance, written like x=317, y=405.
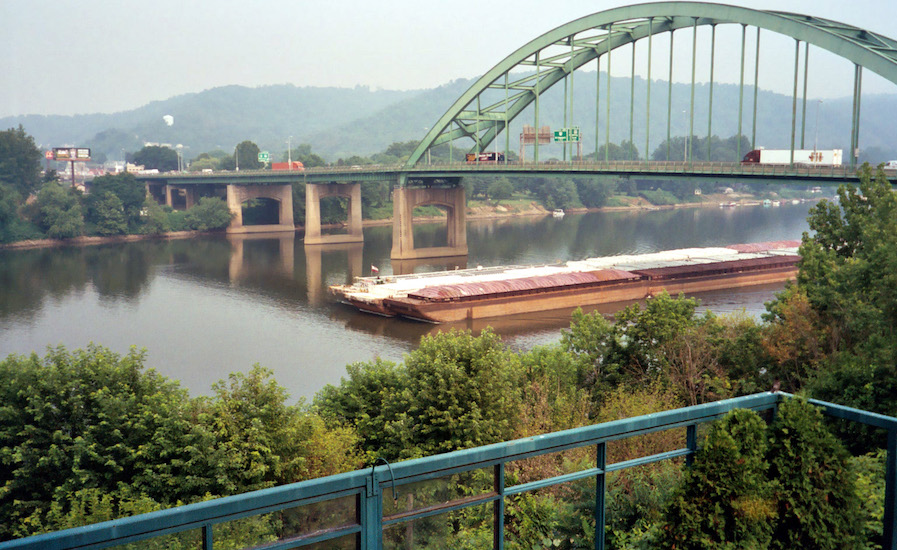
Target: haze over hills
x=339, y=122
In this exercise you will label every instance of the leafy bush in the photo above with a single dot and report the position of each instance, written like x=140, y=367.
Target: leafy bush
x=815, y=487
x=210, y=213
x=726, y=499
x=659, y=197
x=786, y=486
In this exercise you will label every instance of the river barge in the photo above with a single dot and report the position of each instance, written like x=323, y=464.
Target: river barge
x=449, y=296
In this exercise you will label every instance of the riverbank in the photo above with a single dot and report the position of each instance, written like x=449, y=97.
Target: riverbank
x=478, y=211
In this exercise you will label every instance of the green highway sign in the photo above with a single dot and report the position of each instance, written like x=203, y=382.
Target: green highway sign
x=264, y=156
x=567, y=134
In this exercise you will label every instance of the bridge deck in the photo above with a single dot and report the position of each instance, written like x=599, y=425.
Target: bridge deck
x=653, y=170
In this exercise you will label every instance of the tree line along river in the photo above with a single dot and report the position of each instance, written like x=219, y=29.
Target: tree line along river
x=209, y=306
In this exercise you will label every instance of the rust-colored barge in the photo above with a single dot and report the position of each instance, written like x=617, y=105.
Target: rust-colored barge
x=477, y=293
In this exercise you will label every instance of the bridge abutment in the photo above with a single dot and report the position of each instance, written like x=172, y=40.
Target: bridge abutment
x=406, y=199
x=238, y=194
x=314, y=192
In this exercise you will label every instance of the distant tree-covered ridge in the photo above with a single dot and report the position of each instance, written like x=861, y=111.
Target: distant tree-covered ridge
x=341, y=122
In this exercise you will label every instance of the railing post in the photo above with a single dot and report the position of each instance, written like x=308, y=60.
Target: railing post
x=498, y=510
x=207, y=541
x=600, y=494
x=691, y=442
x=371, y=513
x=889, y=541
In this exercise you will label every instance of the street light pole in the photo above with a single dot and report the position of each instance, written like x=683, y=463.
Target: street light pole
x=816, y=128
x=237, y=157
x=685, y=142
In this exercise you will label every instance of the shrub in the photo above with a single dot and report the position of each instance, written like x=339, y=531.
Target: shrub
x=816, y=489
x=210, y=213
x=726, y=499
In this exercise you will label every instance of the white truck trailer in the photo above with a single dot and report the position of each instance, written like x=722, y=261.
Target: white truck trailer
x=816, y=157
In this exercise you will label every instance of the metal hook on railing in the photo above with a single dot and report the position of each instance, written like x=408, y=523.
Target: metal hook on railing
x=393, y=477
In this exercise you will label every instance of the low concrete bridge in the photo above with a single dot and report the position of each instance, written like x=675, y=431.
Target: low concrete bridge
x=440, y=185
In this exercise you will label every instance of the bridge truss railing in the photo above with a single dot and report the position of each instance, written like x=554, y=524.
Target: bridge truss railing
x=380, y=506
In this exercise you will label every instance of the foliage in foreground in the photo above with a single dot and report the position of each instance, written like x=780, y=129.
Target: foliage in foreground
x=786, y=486
x=90, y=435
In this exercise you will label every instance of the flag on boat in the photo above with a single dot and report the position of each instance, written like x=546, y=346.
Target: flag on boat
x=374, y=269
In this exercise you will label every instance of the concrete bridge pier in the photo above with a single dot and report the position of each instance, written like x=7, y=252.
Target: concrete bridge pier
x=238, y=194
x=406, y=199
x=314, y=192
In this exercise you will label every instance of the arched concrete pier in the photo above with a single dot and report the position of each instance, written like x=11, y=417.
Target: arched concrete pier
x=405, y=199
x=314, y=192
x=238, y=194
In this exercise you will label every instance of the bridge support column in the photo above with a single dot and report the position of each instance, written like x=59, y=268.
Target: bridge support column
x=404, y=202
x=238, y=194
x=314, y=192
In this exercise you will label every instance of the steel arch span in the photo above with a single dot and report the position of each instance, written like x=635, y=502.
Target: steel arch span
x=589, y=37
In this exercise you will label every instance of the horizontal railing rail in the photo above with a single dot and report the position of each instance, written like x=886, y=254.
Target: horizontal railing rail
x=390, y=172
x=366, y=489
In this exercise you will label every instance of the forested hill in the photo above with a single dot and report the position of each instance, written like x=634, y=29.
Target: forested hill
x=215, y=119
x=340, y=122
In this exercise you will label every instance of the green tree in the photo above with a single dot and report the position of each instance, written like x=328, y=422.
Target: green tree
x=110, y=215
x=60, y=211
x=130, y=192
x=455, y=391
x=9, y=210
x=725, y=500
x=500, y=189
x=304, y=154
x=248, y=156
x=594, y=192
x=460, y=394
x=154, y=218
x=624, y=151
x=155, y=157
x=19, y=161
x=262, y=441
x=848, y=274
x=91, y=419
x=398, y=152
x=555, y=193
x=211, y=213
x=815, y=487
x=362, y=402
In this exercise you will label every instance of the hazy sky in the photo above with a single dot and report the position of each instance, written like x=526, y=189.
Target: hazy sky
x=66, y=57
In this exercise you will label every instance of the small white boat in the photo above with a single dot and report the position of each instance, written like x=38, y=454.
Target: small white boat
x=558, y=213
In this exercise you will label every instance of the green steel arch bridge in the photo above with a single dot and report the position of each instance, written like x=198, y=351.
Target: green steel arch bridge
x=480, y=119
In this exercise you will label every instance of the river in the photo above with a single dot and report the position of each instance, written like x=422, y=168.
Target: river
x=206, y=307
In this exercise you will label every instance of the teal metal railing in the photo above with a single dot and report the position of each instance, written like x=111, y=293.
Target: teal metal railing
x=354, y=509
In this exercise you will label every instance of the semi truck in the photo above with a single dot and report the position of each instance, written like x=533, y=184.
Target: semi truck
x=816, y=157
x=296, y=166
x=491, y=157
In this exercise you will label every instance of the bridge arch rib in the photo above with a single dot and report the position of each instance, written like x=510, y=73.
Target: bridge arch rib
x=589, y=37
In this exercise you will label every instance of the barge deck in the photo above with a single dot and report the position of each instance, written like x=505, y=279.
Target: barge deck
x=449, y=296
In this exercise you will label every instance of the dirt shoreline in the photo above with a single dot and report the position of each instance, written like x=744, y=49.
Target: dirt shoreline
x=479, y=213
